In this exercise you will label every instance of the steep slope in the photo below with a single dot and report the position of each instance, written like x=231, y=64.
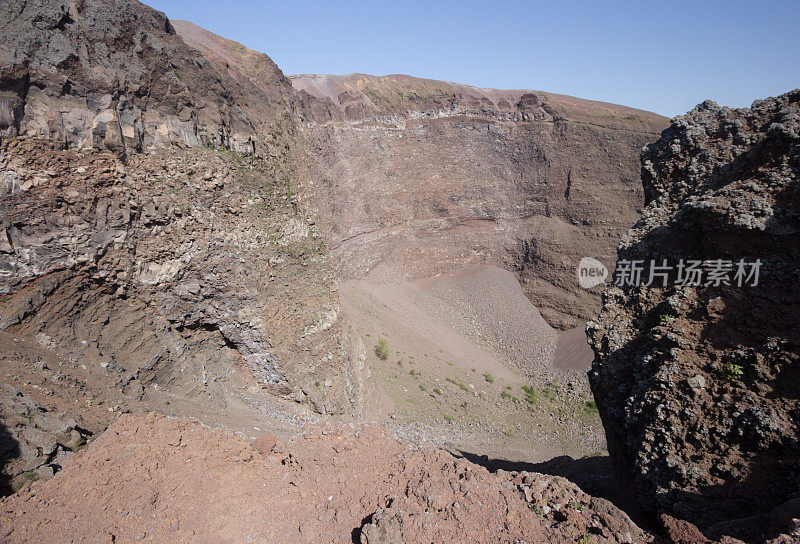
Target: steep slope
x=427, y=177
x=698, y=384
x=111, y=74
x=411, y=179
x=177, y=481
x=468, y=366
x=124, y=243
x=170, y=270
x=259, y=88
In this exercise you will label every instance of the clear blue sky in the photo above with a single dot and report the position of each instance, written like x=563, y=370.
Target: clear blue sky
x=663, y=56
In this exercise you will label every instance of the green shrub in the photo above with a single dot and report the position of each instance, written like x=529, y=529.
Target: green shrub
x=590, y=407
x=732, y=371
x=382, y=349
x=530, y=394
x=488, y=377
x=550, y=391
x=457, y=382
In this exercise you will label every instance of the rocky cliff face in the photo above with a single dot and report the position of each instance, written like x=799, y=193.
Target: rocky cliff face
x=115, y=75
x=34, y=443
x=259, y=88
x=697, y=385
x=168, y=271
x=134, y=244
x=124, y=243
x=419, y=177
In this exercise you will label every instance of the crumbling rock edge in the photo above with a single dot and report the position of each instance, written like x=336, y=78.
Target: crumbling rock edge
x=697, y=385
x=160, y=479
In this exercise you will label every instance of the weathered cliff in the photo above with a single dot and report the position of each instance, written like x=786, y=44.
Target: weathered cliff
x=115, y=75
x=425, y=176
x=122, y=241
x=169, y=270
x=697, y=385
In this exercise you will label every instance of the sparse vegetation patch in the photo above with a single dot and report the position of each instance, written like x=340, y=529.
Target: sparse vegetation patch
x=382, y=349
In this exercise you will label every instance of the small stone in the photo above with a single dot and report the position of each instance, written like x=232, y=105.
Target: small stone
x=44, y=472
x=265, y=443
x=528, y=494
x=697, y=383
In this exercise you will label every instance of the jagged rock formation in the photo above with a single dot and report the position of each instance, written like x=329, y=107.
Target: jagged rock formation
x=697, y=385
x=34, y=443
x=167, y=271
x=115, y=75
x=170, y=268
x=425, y=176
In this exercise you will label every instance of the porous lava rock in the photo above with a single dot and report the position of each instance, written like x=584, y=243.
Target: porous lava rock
x=697, y=386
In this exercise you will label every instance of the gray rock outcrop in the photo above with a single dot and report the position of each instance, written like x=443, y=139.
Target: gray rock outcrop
x=171, y=270
x=34, y=442
x=111, y=75
x=697, y=384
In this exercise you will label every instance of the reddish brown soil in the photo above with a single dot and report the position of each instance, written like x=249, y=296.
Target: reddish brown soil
x=156, y=479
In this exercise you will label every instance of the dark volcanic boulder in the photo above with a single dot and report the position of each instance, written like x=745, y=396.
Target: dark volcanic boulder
x=699, y=385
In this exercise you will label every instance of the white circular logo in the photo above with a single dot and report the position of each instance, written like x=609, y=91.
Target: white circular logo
x=591, y=272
